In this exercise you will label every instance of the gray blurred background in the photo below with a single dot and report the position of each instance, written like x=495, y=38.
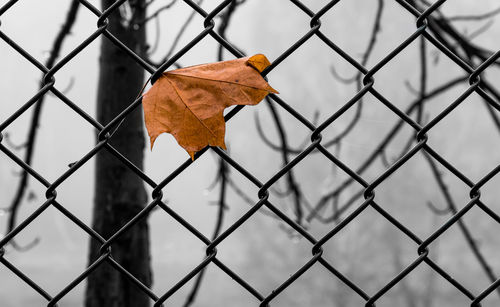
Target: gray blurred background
x=370, y=251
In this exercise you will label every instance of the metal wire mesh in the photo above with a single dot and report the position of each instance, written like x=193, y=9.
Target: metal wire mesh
x=421, y=138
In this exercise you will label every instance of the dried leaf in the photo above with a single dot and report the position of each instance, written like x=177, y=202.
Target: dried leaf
x=189, y=102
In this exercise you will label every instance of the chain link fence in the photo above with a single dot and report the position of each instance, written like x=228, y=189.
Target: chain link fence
x=422, y=244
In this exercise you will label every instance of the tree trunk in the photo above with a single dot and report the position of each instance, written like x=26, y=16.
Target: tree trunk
x=119, y=193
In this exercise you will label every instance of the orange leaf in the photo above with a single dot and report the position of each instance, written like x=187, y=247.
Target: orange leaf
x=189, y=102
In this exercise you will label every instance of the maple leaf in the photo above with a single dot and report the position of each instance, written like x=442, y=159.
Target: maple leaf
x=189, y=102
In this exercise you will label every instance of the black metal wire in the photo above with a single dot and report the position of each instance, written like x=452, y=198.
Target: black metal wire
x=105, y=133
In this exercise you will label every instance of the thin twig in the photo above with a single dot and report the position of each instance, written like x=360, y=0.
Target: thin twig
x=478, y=17
x=290, y=177
x=11, y=144
x=436, y=210
x=157, y=13
x=421, y=93
x=366, y=56
x=345, y=80
x=180, y=33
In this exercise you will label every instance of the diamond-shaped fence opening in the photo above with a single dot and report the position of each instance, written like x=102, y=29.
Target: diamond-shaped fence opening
x=315, y=192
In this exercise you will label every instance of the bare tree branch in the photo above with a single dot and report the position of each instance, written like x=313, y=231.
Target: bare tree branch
x=223, y=172
x=35, y=119
x=358, y=78
x=379, y=149
x=471, y=242
x=223, y=169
